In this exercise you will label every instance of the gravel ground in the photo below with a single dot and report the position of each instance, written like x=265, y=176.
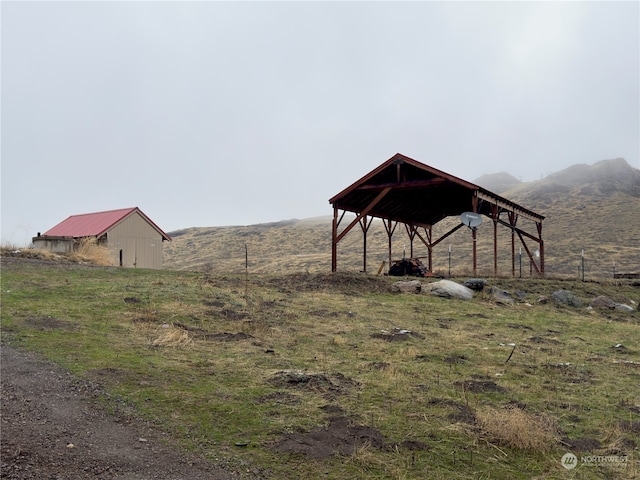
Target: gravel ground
x=53, y=428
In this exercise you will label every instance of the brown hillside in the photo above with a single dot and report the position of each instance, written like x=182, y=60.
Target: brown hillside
x=498, y=182
x=592, y=208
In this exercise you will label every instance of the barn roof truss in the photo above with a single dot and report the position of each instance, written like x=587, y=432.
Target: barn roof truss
x=403, y=190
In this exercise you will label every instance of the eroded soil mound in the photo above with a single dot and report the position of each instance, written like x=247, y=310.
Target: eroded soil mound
x=340, y=437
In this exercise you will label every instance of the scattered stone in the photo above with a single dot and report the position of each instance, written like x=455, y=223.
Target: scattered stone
x=623, y=307
x=565, y=297
x=537, y=339
x=397, y=335
x=558, y=366
x=629, y=363
x=502, y=296
x=476, y=284
x=411, y=286
x=448, y=289
x=603, y=301
x=542, y=299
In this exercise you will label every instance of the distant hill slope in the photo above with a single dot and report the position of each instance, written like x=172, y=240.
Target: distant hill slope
x=498, y=182
x=595, y=208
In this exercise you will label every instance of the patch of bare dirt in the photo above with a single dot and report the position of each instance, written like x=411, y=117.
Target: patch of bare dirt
x=214, y=336
x=340, y=437
x=53, y=428
x=581, y=444
x=479, y=386
x=47, y=322
x=330, y=386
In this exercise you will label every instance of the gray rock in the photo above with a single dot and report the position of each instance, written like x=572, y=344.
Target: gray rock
x=603, y=302
x=502, y=296
x=476, y=284
x=411, y=286
x=565, y=297
x=448, y=289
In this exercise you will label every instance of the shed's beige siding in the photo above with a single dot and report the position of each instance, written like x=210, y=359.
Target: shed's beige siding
x=135, y=243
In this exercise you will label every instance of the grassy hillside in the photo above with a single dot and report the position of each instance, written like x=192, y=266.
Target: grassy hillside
x=333, y=376
x=592, y=208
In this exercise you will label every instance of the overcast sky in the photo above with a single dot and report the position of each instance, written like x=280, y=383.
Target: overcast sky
x=233, y=113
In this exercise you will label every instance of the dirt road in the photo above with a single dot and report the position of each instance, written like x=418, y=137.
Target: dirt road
x=53, y=428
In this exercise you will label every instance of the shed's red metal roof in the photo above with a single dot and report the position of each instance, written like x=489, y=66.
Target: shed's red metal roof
x=96, y=224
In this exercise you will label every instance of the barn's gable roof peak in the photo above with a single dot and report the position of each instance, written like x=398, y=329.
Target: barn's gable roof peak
x=417, y=193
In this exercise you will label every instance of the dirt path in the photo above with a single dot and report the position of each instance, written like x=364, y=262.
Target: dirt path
x=52, y=428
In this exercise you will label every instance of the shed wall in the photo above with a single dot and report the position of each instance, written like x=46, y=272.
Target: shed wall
x=135, y=243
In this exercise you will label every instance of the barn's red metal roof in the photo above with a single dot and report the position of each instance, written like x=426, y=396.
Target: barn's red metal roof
x=418, y=194
x=97, y=224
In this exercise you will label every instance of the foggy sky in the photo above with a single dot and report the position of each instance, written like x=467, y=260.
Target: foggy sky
x=233, y=113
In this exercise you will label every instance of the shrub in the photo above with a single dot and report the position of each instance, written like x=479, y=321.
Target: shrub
x=516, y=428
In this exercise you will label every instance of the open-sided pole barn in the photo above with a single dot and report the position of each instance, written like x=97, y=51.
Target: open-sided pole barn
x=403, y=190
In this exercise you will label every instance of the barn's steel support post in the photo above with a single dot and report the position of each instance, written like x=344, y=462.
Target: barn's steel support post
x=539, y=226
x=474, y=202
x=429, y=233
x=365, y=228
x=474, y=238
x=334, y=240
x=512, y=221
x=494, y=216
x=411, y=232
x=390, y=228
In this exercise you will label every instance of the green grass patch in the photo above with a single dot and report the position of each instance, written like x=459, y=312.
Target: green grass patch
x=469, y=390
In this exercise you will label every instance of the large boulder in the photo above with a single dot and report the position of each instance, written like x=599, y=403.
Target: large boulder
x=565, y=297
x=448, y=289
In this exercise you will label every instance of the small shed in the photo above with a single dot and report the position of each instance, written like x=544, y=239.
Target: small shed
x=133, y=239
x=403, y=190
